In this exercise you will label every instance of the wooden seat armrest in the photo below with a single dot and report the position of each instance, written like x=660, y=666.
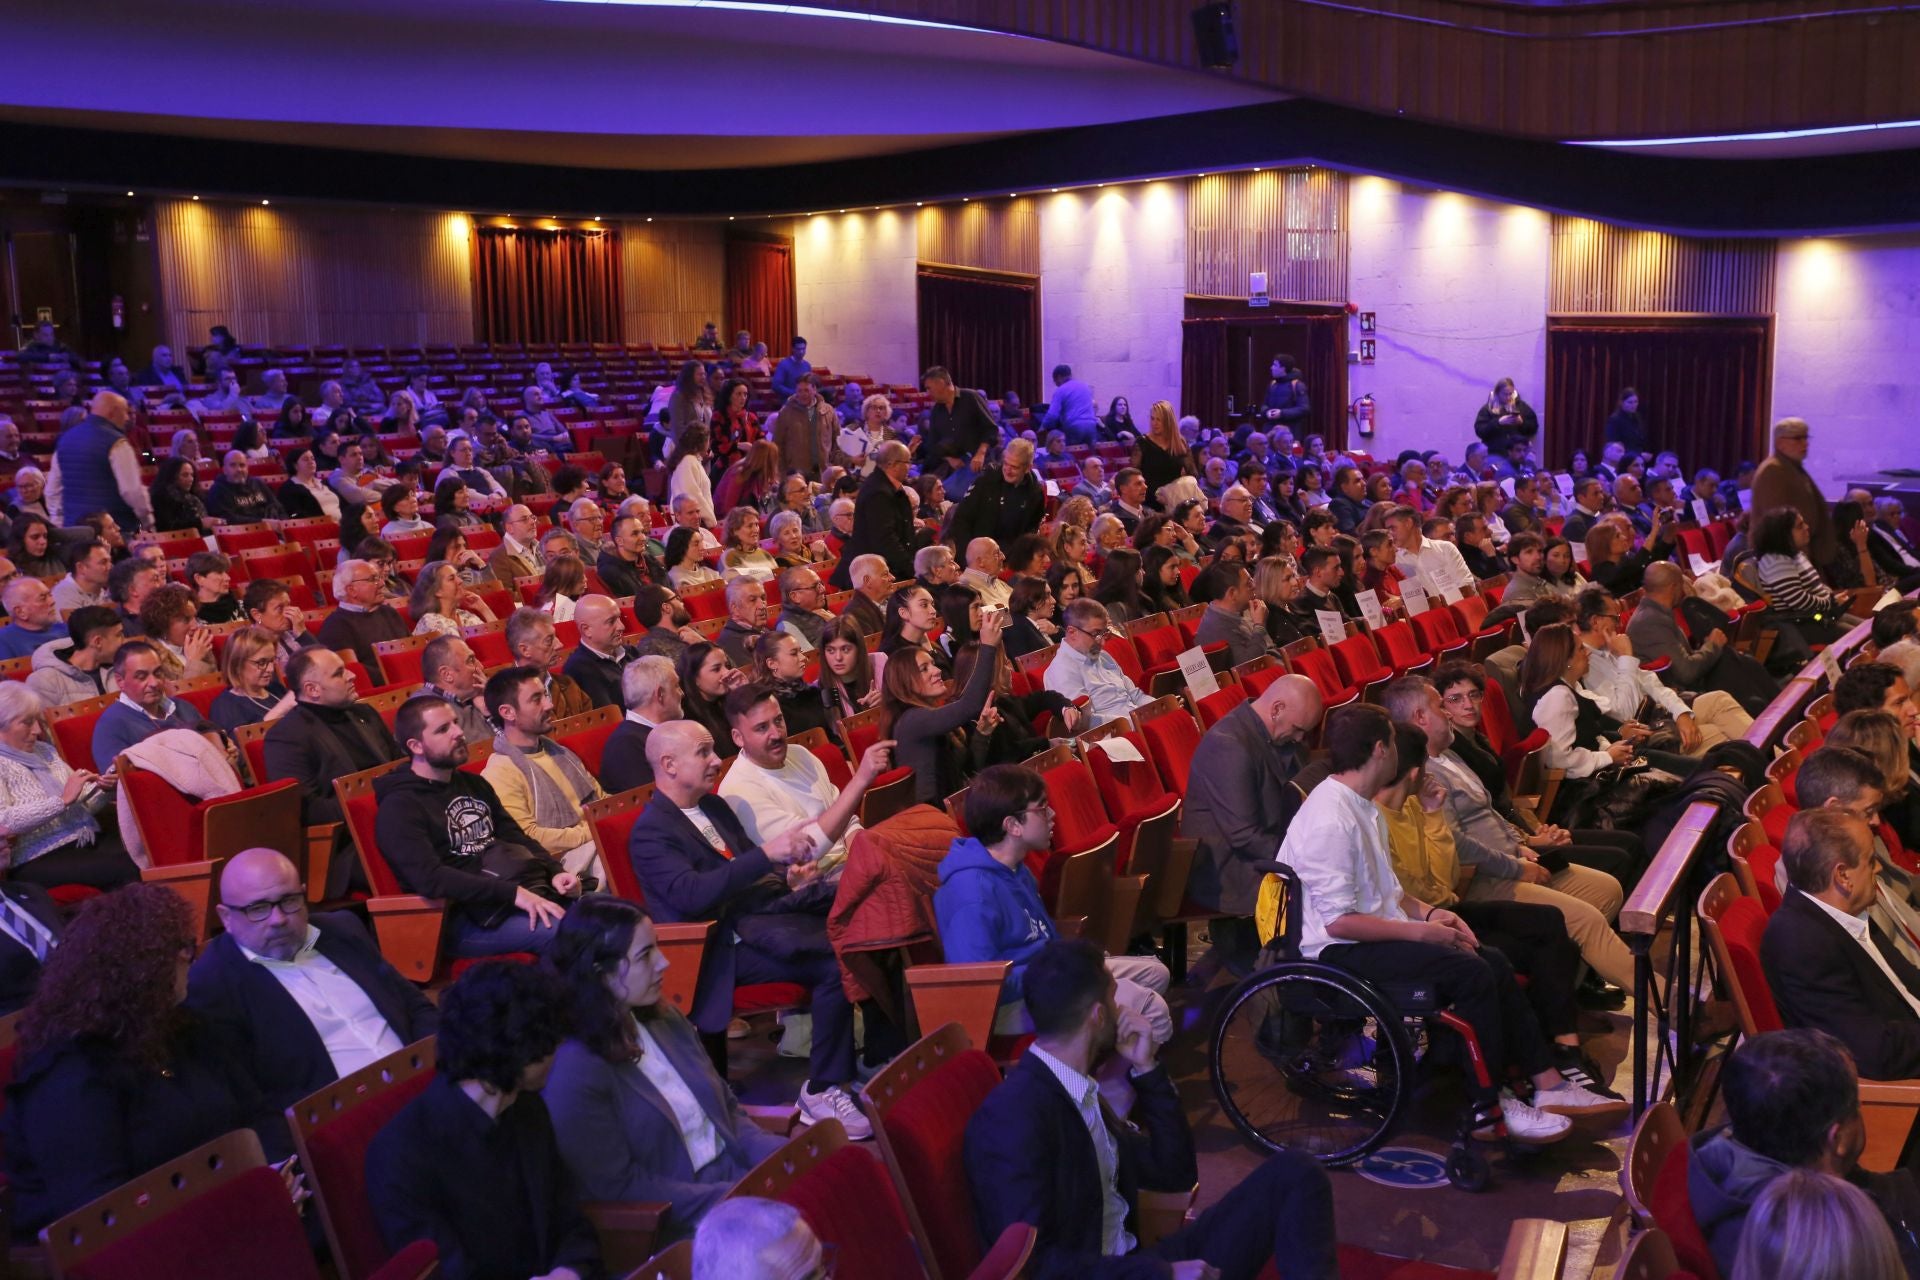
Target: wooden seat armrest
x=775, y=1120
x=1536, y=1248
x=684, y=945
x=968, y=994
x=320, y=841
x=1070, y=926
x=1172, y=888
x=192, y=881
x=627, y=1230
x=1158, y=1214
x=418, y=1261
x=1890, y=1092
x=1123, y=909
x=407, y=927
x=1008, y=1257
x=1889, y=1108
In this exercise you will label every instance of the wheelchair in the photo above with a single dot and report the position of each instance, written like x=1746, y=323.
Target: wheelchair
x=1309, y=1057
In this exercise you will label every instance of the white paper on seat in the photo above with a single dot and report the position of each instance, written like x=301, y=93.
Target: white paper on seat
x=1120, y=751
x=1201, y=682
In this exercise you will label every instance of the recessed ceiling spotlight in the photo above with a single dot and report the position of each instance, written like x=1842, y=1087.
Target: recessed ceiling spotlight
x=596, y=217
x=1056, y=191
x=196, y=199
x=264, y=203
x=918, y=204
x=649, y=219
x=129, y=193
x=729, y=217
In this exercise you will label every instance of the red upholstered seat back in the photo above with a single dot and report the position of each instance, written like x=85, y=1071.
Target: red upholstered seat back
x=1400, y=645
x=1079, y=823
x=400, y=662
x=1121, y=650
x=170, y=823
x=1256, y=682
x=839, y=772
x=1358, y=661
x=850, y=1203
x=73, y=738
x=1437, y=630
x=1741, y=926
x=1130, y=789
x=337, y=1166
x=1159, y=647
x=490, y=646
x=241, y=1230
x=1219, y=702
x=1171, y=741
x=590, y=744
x=1496, y=719
x=614, y=832
x=1672, y=1211
x=1774, y=821
x=926, y=1129
x=1470, y=611
x=1764, y=861
x=361, y=811
x=1318, y=666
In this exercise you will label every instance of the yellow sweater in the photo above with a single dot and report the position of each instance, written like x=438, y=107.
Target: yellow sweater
x=1424, y=857
x=516, y=797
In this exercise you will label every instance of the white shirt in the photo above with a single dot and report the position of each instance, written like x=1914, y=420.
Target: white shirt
x=1622, y=686
x=696, y=1126
x=348, y=1022
x=1437, y=563
x=1109, y=693
x=708, y=832
x=994, y=594
x=1115, y=1240
x=772, y=802
x=1857, y=927
x=1337, y=845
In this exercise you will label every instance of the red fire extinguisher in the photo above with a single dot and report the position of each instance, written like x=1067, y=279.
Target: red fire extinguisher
x=1363, y=414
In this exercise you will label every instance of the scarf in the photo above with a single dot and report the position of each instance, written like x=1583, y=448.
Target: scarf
x=39, y=762
x=551, y=807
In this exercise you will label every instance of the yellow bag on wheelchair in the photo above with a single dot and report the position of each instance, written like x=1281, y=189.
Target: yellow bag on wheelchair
x=1270, y=908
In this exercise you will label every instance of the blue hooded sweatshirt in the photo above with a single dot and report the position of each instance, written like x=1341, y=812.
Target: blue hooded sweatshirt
x=990, y=912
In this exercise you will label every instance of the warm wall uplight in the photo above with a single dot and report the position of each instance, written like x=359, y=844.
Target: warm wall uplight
x=264, y=203
x=1818, y=271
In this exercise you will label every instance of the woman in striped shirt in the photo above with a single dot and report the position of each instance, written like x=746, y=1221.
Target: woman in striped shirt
x=1794, y=588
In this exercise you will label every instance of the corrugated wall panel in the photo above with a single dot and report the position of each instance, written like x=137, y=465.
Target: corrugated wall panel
x=674, y=278
x=293, y=275
x=991, y=235
x=1289, y=223
x=1599, y=269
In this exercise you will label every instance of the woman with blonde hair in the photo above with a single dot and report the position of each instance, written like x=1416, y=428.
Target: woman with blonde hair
x=1882, y=737
x=744, y=556
x=254, y=694
x=1077, y=511
x=1164, y=455
x=1809, y=1225
x=1071, y=548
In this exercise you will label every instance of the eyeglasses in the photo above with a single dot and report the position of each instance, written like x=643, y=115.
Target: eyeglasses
x=290, y=905
x=1465, y=698
x=1096, y=635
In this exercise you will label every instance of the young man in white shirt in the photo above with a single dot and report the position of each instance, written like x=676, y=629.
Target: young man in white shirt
x=1440, y=565
x=1355, y=915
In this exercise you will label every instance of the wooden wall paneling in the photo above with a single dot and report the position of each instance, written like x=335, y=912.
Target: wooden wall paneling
x=673, y=281
x=1597, y=269
x=987, y=235
x=1290, y=223
x=297, y=275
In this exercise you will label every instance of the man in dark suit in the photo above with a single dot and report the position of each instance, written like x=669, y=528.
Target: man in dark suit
x=29, y=931
x=871, y=580
x=650, y=691
x=1046, y=1149
x=1349, y=501
x=304, y=999
x=1239, y=800
x=882, y=517
x=1829, y=965
x=1589, y=502
x=596, y=663
x=695, y=861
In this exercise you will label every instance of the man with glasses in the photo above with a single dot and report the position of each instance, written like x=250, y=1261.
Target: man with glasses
x=304, y=999
x=1782, y=481
x=803, y=612
x=985, y=560
x=1083, y=669
x=882, y=517
x=586, y=521
x=1004, y=504
x=518, y=555
x=361, y=621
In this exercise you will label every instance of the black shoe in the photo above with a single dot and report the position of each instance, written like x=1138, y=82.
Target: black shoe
x=1574, y=1065
x=1598, y=994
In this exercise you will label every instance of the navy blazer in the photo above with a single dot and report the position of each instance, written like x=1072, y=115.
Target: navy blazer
x=271, y=1034
x=623, y=761
x=1822, y=978
x=685, y=878
x=598, y=676
x=1029, y=1158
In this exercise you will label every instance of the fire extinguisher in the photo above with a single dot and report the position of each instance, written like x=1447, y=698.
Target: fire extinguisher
x=1363, y=415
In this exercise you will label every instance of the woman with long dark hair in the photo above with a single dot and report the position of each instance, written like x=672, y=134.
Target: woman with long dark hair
x=1119, y=417
x=1119, y=587
x=114, y=1075
x=1162, y=591
x=691, y=402
x=176, y=498
x=849, y=675
x=706, y=676
x=942, y=742
x=638, y=1109
x=1794, y=588
x=687, y=475
x=734, y=427
x=30, y=547
x=306, y=494
x=911, y=616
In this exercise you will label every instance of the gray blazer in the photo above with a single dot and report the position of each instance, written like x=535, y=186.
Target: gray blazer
x=1240, y=797
x=619, y=1137
x=1654, y=634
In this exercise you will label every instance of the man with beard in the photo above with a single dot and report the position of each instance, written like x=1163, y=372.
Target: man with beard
x=542, y=785
x=452, y=670
x=445, y=835
x=669, y=625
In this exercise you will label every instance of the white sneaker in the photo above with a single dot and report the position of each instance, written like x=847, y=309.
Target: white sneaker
x=834, y=1103
x=1530, y=1126
x=1570, y=1099
x=739, y=1029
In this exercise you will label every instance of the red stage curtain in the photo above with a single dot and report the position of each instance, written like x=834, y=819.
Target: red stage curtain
x=1203, y=371
x=760, y=294
x=546, y=286
x=1703, y=386
x=1208, y=344
x=984, y=326
x=1324, y=367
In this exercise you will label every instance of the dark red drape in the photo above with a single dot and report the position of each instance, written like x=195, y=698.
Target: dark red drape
x=1203, y=370
x=984, y=327
x=1225, y=350
x=760, y=294
x=1703, y=385
x=533, y=285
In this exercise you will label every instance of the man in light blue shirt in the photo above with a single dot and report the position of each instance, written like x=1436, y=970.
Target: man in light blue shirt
x=1082, y=668
x=1071, y=409
x=35, y=618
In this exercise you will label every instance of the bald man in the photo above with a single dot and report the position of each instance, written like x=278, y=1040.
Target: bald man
x=695, y=861
x=1240, y=797
x=95, y=469
x=304, y=998
x=518, y=555
x=985, y=560
x=603, y=653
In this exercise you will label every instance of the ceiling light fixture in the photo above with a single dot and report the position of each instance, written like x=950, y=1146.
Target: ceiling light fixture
x=263, y=204
x=795, y=11
x=1774, y=135
x=129, y=193
x=918, y=204
x=196, y=199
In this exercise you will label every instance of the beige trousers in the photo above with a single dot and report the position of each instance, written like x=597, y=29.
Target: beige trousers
x=1587, y=899
x=1720, y=719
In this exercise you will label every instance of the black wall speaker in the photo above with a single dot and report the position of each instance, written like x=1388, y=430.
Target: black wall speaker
x=1213, y=33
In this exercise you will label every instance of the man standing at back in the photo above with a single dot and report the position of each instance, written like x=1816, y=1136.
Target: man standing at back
x=95, y=469
x=1071, y=409
x=1782, y=481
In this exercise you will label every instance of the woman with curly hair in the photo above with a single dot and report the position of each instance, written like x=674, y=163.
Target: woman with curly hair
x=630, y=1051
x=114, y=1075
x=171, y=620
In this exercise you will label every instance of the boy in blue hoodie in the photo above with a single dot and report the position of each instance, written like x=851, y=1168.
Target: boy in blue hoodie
x=989, y=907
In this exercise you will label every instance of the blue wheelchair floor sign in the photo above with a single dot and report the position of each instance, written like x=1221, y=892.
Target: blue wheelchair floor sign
x=1408, y=1168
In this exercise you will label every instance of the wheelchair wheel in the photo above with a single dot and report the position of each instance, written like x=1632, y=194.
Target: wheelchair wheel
x=1309, y=1058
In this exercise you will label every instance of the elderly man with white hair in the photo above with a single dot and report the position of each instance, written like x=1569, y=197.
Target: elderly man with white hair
x=1003, y=504
x=587, y=523
x=687, y=514
x=984, y=562
x=748, y=1236
x=650, y=691
x=872, y=584
x=934, y=567
x=360, y=621
x=273, y=392
x=34, y=618
x=45, y=809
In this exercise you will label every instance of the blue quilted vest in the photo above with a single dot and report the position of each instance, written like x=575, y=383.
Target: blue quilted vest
x=86, y=477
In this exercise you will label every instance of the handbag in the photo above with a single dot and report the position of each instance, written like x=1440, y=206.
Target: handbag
x=1618, y=797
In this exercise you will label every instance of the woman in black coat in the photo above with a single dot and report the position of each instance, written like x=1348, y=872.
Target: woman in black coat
x=1504, y=418
x=943, y=744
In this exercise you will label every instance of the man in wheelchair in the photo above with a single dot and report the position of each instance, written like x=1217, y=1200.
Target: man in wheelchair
x=1355, y=916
